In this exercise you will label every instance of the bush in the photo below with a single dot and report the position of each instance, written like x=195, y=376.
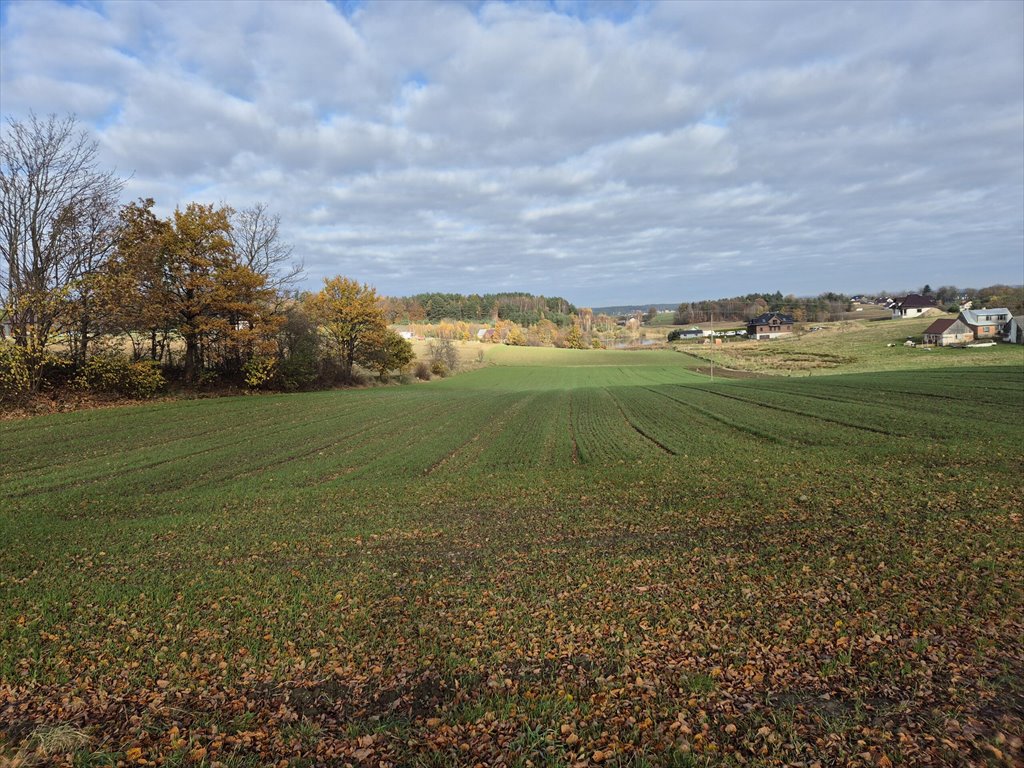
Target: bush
x=297, y=371
x=422, y=370
x=57, y=371
x=113, y=374
x=15, y=382
x=208, y=378
x=444, y=355
x=260, y=372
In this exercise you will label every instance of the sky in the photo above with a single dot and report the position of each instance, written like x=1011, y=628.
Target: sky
x=607, y=152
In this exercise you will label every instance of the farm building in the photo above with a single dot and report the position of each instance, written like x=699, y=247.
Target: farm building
x=685, y=333
x=911, y=305
x=986, y=323
x=947, y=331
x=770, y=325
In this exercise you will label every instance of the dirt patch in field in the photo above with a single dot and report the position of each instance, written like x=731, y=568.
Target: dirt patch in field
x=44, y=405
x=730, y=373
x=416, y=698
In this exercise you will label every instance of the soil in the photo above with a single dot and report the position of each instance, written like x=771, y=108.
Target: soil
x=729, y=373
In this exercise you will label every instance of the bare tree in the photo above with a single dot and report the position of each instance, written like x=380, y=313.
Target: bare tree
x=444, y=353
x=92, y=236
x=256, y=238
x=54, y=202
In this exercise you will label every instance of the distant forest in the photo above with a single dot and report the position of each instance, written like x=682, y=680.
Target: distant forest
x=521, y=308
x=827, y=306
x=528, y=309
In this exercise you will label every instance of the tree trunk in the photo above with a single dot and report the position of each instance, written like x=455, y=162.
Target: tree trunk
x=192, y=358
x=349, y=359
x=83, y=347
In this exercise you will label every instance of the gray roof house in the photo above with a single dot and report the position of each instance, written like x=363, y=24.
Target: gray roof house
x=986, y=323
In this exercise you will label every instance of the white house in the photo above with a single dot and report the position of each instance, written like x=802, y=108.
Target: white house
x=911, y=305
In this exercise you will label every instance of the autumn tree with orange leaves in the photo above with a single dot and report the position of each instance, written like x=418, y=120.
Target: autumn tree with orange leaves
x=350, y=317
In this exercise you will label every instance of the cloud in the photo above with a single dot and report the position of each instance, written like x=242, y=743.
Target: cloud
x=605, y=152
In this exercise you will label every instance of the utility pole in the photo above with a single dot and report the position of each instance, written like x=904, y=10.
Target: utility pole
x=712, y=355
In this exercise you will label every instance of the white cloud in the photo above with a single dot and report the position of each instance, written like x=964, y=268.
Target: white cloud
x=606, y=152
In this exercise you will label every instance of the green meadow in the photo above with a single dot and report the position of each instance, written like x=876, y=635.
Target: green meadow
x=560, y=558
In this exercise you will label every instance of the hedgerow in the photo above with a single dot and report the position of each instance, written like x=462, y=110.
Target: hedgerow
x=113, y=374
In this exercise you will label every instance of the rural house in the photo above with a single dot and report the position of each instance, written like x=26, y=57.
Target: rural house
x=986, y=323
x=1013, y=331
x=948, y=331
x=911, y=305
x=770, y=325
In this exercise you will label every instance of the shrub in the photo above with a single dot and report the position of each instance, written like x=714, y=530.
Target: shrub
x=208, y=377
x=422, y=370
x=15, y=382
x=260, y=372
x=297, y=371
x=113, y=374
x=57, y=371
x=445, y=352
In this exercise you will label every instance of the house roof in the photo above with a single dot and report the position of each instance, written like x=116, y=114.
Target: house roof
x=973, y=316
x=914, y=301
x=767, y=317
x=940, y=326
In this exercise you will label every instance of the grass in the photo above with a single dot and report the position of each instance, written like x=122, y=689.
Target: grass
x=560, y=555
x=851, y=346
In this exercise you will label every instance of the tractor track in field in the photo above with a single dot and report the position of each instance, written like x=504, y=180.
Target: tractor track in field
x=572, y=435
x=759, y=434
x=247, y=425
x=795, y=412
x=490, y=429
x=636, y=428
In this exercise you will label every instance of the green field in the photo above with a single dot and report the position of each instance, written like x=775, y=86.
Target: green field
x=563, y=557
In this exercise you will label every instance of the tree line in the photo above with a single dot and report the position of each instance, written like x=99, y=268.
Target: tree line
x=111, y=296
x=824, y=307
x=951, y=297
x=833, y=306
x=524, y=309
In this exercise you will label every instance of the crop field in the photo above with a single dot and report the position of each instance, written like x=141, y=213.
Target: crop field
x=561, y=558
